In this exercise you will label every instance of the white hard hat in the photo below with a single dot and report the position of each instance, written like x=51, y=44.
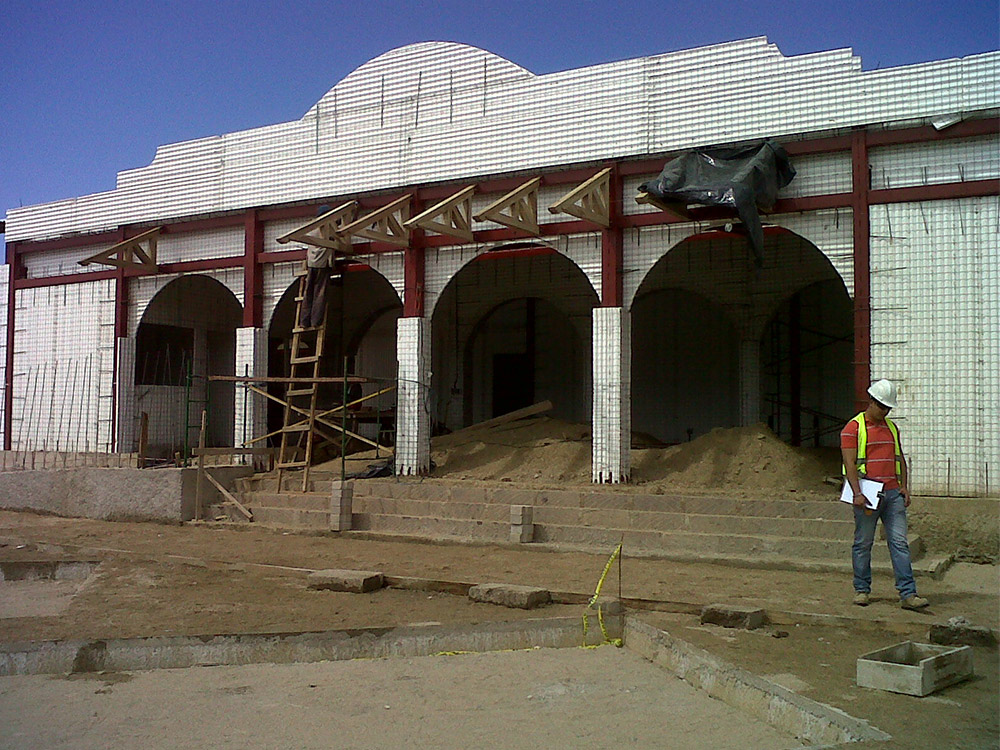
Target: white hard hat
x=884, y=391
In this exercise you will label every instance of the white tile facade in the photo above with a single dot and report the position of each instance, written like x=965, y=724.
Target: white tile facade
x=437, y=111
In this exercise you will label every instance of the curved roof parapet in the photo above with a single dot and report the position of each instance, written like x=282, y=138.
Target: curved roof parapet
x=431, y=67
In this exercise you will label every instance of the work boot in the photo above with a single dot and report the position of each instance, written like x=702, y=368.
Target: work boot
x=861, y=598
x=914, y=602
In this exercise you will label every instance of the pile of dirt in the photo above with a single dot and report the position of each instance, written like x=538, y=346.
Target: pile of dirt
x=543, y=450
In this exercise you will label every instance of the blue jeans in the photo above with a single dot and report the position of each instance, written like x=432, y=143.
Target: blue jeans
x=892, y=511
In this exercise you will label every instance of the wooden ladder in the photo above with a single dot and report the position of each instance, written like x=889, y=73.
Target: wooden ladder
x=306, y=354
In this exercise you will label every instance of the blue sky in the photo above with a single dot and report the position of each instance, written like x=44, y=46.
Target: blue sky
x=91, y=88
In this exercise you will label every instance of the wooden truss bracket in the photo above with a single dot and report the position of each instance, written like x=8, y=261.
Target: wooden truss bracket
x=589, y=201
x=384, y=224
x=451, y=216
x=517, y=209
x=130, y=253
x=676, y=209
x=324, y=230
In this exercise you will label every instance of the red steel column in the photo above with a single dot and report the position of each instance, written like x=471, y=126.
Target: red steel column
x=611, y=246
x=862, y=266
x=253, y=280
x=8, y=392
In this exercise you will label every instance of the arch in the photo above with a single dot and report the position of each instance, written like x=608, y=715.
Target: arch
x=187, y=332
x=714, y=266
x=437, y=285
x=458, y=65
x=558, y=319
x=362, y=306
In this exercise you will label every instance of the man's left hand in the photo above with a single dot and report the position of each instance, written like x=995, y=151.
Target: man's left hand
x=906, y=496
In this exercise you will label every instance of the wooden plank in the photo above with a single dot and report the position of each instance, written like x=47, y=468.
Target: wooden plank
x=512, y=416
x=255, y=379
x=674, y=208
x=229, y=497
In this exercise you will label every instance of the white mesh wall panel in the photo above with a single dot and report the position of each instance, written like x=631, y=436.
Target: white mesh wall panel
x=214, y=243
x=59, y=262
x=832, y=231
x=961, y=160
x=819, y=174
x=936, y=331
x=63, y=367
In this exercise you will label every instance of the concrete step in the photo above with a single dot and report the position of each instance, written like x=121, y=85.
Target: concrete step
x=292, y=500
x=291, y=481
x=432, y=527
x=291, y=518
x=708, y=505
x=714, y=545
x=433, y=509
x=613, y=518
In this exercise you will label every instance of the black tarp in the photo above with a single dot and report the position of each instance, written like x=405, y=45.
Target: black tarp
x=744, y=179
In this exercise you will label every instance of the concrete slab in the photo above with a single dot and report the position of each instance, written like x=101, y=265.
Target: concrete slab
x=353, y=581
x=510, y=595
x=574, y=698
x=733, y=616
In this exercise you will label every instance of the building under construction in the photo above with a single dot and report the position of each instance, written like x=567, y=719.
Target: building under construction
x=488, y=252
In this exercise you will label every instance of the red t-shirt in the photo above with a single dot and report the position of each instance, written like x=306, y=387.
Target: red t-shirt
x=880, y=458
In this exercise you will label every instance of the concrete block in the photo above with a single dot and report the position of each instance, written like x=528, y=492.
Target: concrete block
x=960, y=632
x=732, y=616
x=341, y=505
x=914, y=668
x=510, y=595
x=354, y=581
x=522, y=533
x=521, y=514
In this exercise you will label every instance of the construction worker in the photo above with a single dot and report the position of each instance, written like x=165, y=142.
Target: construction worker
x=871, y=449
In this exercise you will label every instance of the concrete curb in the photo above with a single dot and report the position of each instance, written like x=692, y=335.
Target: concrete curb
x=781, y=708
x=935, y=567
x=178, y=652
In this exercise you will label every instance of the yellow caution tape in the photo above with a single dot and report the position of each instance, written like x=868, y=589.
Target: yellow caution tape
x=595, y=597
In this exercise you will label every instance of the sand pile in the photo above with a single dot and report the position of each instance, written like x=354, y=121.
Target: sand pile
x=543, y=450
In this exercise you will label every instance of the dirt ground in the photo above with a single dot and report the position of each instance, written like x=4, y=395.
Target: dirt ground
x=158, y=579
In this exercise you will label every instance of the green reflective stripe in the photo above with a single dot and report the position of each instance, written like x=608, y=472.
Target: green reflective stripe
x=863, y=443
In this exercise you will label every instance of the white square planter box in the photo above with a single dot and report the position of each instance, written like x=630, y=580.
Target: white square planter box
x=914, y=668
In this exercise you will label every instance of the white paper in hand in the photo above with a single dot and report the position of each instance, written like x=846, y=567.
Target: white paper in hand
x=869, y=489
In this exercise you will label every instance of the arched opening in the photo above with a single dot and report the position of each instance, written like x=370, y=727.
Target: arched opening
x=511, y=329
x=719, y=343
x=806, y=373
x=187, y=333
x=361, y=312
x=684, y=367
